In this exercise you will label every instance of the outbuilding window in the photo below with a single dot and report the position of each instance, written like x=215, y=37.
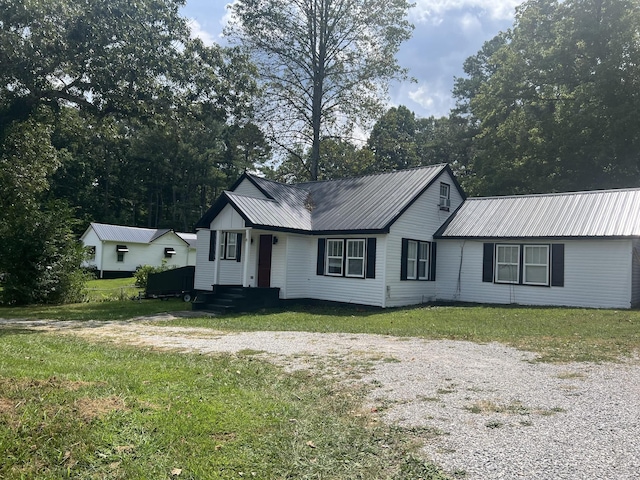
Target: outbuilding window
x=120, y=251
x=169, y=252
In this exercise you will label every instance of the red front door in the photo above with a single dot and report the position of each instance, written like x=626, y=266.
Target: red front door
x=264, y=261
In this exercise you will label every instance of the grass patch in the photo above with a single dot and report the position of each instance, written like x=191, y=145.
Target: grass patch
x=113, y=310
x=556, y=334
x=102, y=290
x=70, y=408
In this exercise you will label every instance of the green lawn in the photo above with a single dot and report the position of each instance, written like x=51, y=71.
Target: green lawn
x=112, y=289
x=74, y=409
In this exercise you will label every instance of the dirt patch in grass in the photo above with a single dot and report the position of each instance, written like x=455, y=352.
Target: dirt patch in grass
x=91, y=408
x=6, y=406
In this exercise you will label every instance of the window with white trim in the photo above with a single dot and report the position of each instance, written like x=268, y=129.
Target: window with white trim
x=507, y=263
x=412, y=259
x=228, y=245
x=423, y=261
x=536, y=265
x=335, y=249
x=355, y=258
x=445, y=196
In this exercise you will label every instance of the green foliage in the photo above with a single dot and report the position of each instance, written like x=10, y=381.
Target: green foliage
x=554, y=100
x=141, y=275
x=399, y=140
x=41, y=258
x=324, y=65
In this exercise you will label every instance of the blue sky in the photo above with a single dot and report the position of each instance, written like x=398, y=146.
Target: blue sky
x=446, y=33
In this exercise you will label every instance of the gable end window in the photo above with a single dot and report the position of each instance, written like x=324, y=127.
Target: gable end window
x=416, y=257
x=445, y=196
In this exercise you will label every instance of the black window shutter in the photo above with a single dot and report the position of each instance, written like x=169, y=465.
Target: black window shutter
x=557, y=265
x=320, y=264
x=238, y=247
x=212, y=246
x=371, y=258
x=521, y=264
x=403, y=258
x=432, y=262
x=487, y=262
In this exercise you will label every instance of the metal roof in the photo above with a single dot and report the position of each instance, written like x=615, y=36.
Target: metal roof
x=271, y=213
x=190, y=238
x=367, y=203
x=600, y=213
x=121, y=233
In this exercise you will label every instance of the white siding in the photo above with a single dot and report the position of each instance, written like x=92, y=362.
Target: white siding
x=204, y=268
x=228, y=219
x=635, y=269
x=300, y=265
x=248, y=189
x=597, y=273
x=230, y=272
x=365, y=291
x=90, y=239
x=419, y=222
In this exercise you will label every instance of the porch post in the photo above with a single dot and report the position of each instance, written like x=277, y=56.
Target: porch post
x=216, y=261
x=247, y=257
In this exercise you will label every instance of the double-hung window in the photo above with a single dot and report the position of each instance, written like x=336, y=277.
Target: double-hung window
x=416, y=260
x=507, y=263
x=335, y=249
x=423, y=261
x=412, y=259
x=228, y=245
x=445, y=196
x=355, y=258
x=536, y=265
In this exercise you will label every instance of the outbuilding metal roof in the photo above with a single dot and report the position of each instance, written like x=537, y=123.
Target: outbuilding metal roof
x=600, y=213
x=120, y=233
x=367, y=203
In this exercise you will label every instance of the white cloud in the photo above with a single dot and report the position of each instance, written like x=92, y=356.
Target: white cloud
x=436, y=101
x=432, y=11
x=198, y=32
x=470, y=24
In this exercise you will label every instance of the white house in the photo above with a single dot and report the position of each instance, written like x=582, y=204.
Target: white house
x=365, y=240
x=574, y=249
x=410, y=237
x=116, y=251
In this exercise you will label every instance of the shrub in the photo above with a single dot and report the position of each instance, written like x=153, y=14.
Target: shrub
x=142, y=273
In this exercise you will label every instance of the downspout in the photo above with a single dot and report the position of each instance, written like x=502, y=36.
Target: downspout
x=101, y=258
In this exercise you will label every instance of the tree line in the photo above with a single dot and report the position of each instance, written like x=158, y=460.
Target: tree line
x=111, y=112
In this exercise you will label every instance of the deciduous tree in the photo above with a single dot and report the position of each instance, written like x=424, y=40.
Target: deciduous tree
x=324, y=64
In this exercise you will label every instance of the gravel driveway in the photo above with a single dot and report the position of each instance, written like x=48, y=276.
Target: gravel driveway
x=485, y=411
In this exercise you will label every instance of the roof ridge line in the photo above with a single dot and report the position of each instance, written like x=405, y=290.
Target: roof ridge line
x=371, y=174
x=556, y=194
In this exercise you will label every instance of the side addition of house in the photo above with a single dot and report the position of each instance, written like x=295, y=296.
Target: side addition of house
x=366, y=240
x=572, y=249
